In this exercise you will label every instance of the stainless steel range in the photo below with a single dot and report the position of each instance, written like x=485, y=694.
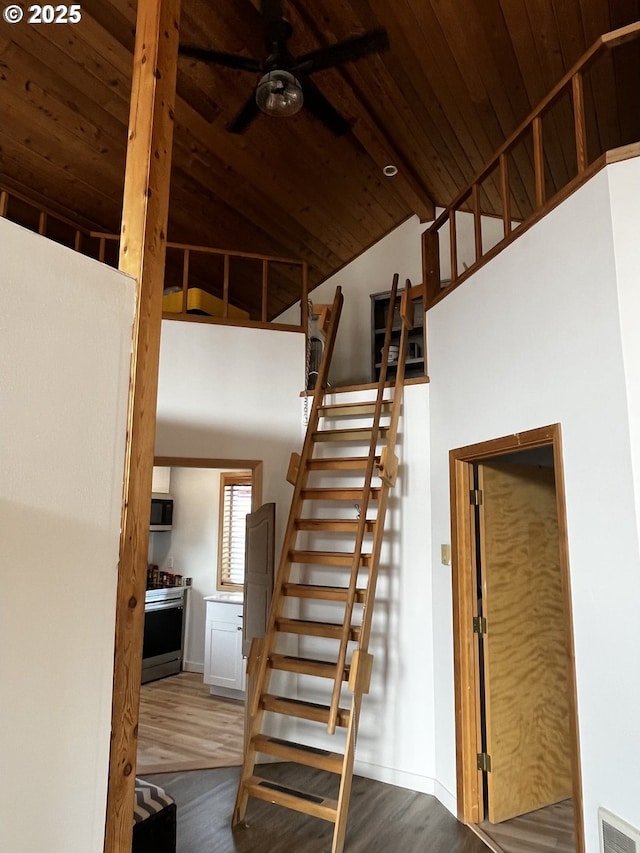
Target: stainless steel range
x=164, y=624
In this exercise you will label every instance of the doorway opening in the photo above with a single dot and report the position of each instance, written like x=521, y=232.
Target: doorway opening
x=517, y=746
x=186, y=721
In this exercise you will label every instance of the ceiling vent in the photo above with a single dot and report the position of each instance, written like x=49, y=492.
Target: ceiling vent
x=616, y=835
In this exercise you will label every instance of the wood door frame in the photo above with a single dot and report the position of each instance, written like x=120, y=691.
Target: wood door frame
x=466, y=674
x=253, y=465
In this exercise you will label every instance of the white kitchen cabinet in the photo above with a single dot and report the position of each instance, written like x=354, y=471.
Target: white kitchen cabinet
x=224, y=666
x=161, y=480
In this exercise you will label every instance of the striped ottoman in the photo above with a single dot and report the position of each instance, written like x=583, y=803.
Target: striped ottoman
x=154, y=815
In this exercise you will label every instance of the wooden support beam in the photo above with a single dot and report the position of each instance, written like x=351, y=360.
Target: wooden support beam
x=142, y=255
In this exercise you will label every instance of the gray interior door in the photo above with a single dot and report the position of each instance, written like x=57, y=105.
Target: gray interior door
x=258, y=573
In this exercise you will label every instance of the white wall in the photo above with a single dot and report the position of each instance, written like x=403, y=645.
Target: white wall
x=535, y=338
x=624, y=215
x=65, y=344
x=232, y=393
x=371, y=272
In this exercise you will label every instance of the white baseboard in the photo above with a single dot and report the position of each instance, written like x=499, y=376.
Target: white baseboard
x=411, y=781
x=192, y=666
x=227, y=693
x=393, y=776
x=448, y=800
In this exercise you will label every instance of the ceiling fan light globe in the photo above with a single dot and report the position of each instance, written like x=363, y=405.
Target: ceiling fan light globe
x=279, y=94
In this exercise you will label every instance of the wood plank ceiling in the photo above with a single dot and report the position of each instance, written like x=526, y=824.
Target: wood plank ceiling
x=458, y=79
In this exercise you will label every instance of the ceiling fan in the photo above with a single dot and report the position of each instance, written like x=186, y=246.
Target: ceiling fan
x=284, y=84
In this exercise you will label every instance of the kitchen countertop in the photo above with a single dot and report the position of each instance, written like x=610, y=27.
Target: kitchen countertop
x=228, y=597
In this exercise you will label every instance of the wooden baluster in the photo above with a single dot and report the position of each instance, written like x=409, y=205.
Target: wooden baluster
x=42, y=223
x=431, y=264
x=477, y=221
x=225, y=288
x=4, y=202
x=101, y=250
x=304, y=313
x=538, y=160
x=185, y=280
x=453, y=241
x=265, y=276
x=579, y=121
x=77, y=241
x=506, y=194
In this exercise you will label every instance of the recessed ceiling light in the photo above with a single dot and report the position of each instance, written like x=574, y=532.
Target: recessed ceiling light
x=389, y=171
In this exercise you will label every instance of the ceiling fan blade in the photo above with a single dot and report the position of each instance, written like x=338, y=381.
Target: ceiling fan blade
x=348, y=50
x=246, y=115
x=317, y=104
x=229, y=60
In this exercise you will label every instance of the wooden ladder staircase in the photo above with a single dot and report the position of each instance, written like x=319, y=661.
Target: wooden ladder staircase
x=317, y=637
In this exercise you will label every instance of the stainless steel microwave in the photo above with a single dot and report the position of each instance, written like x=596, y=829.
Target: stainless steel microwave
x=161, y=512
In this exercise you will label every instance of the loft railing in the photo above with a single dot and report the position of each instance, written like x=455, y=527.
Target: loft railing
x=181, y=272
x=540, y=164
x=186, y=266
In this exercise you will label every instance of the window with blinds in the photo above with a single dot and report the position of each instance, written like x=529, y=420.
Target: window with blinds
x=235, y=503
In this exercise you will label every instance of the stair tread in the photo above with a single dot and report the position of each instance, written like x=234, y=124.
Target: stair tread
x=336, y=525
x=301, y=801
x=307, y=666
x=313, y=628
x=339, y=462
x=357, y=408
x=311, y=756
x=315, y=711
x=347, y=494
x=329, y=558
x=348, y=433
x=327, y=593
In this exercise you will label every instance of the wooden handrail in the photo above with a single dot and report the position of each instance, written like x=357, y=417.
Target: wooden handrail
x=211, y=250
x=532, y=124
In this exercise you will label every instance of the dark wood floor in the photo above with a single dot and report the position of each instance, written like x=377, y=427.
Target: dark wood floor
x=549, y=829
x=382, y=819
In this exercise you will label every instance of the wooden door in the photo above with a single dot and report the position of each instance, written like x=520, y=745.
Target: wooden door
x=258, y=573
x=525, y=648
